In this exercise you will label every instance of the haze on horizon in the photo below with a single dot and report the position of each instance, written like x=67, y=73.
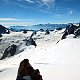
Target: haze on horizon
x=28, y=12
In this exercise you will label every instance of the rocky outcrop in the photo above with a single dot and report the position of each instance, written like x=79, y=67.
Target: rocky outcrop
x=64, y=35
x=42, y=30
x=30, y=41
x=27, y=72
x=9, y=51
x=77, y=33
x=24, y=31
x=0, y=35
x=4, y=30
x=59, y=28
x=71, y=29
x=34, y=33
x=47, y=32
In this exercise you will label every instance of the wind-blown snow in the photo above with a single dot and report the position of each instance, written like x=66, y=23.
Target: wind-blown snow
x=55, y=61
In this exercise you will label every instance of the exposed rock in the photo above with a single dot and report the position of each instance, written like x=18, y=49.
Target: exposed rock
x=77, y=33
x=27, y=72
x=36, y=75
x=9, y=51
x=0, y=35
x=47, y=32
x=59, y=28
x=64, y=35
x=34, y=33
x=0, y=40
x=4, y=30
x=42, y=30
x=24, y=31
x=70, y=29
x=13, y=50
x=30, y=41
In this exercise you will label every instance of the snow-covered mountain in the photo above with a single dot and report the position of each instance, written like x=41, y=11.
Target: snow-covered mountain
x=38, y=27
x=59, y=61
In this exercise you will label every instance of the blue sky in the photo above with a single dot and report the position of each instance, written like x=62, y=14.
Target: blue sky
x=28, y=12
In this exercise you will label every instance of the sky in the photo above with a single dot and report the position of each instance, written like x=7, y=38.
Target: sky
x=29, y=12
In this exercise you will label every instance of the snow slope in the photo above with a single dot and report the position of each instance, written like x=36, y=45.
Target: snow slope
x=55, y=62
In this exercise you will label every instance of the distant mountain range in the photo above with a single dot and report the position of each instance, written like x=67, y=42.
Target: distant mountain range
x=38, y=27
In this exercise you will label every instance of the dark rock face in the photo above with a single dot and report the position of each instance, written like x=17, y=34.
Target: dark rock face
x=0, y=40
x=42, y=30
x=0, y=35
x=13, y=50
x=77, y=33
x=31, y=42
x=24, y=31
x=59, y=28
x=27, y=72
x=64, y=35
x=34, y=33
x=9, y=51
x=36, y=75
x=47, y=32
x=4, y=30
x=70, y=29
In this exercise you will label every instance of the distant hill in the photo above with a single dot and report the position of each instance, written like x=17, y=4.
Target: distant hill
x=38, y=27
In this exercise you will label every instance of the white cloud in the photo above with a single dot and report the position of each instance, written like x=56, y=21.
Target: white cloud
x=8, y=19
x=40, y=3
x=30, y=1
x=48, y=3
x=8, y=24
x=12, y=21
x=17, y=20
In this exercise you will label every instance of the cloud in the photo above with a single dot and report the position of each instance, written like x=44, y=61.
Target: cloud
x=41, y=3
x=8, y=19
x=12, y=21
x=8, y=24
x=29, y=1
x=48, y=3
x=17, y=20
